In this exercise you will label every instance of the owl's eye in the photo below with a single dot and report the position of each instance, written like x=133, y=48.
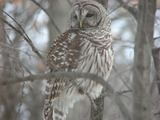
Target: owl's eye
x=89, y=15
x=75, y=17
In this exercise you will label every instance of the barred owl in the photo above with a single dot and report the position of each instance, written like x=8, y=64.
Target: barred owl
x=85, y=47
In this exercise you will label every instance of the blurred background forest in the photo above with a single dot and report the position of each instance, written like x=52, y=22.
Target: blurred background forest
x=43, y=20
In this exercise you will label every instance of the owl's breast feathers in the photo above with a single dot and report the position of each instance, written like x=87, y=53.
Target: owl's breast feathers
x=80, y=51
x=85, y=48
x=65, y=51
x=64, y=54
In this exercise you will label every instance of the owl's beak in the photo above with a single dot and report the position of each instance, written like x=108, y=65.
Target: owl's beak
x=81, y=24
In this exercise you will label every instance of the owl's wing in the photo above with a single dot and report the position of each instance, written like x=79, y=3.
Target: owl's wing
x=64, y=54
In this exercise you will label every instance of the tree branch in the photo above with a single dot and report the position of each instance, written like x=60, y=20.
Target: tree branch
x=26, y=37
x=73, y=75
x=103, y=2
x=21, y=32
x=52, y=21
x=132, y=10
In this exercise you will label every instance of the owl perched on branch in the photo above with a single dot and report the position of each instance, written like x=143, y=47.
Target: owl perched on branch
x=85, y=47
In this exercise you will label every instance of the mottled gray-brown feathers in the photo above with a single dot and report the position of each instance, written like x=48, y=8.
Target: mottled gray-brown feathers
x=85, y=47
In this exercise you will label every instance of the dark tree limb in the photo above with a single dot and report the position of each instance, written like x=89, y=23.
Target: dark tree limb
x=156, y=58
x=97, y=107
x=103, y=2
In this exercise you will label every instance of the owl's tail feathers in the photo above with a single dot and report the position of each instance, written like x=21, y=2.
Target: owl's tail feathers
x=52, y=113
x=59, y=109
x=47, y=111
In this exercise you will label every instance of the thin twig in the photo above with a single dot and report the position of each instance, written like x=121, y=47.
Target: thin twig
x=21, y=101
x=132, y=10
x=52, y=21
x=23, y=33
x=26, y=37
x=156, y=38
x=124, y=91
x=28, y=40
x=115, y=9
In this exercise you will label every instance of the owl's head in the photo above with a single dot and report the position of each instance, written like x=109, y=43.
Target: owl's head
x=88, y=15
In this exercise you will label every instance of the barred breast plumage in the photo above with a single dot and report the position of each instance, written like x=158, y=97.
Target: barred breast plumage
x=86, y=48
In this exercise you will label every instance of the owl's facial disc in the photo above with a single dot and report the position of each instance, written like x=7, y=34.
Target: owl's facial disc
x=85, y=17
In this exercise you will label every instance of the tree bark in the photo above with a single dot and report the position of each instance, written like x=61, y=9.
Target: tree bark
x=156, y=58
x=142, y=60
x=97, y=108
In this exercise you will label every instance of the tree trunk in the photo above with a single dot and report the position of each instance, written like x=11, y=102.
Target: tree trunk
x=97, y=108
x=142, y=60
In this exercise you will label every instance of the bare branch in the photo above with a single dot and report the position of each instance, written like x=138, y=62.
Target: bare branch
x=70, y=3
x=28, y=40
x=23, y=33
x=157, y=38
x=52, y=21
x=103, y=2
x=20, y=102
x=157, y=113
x=132, y=10
x=26, y=37
x=73, y=75
x=115, y=9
